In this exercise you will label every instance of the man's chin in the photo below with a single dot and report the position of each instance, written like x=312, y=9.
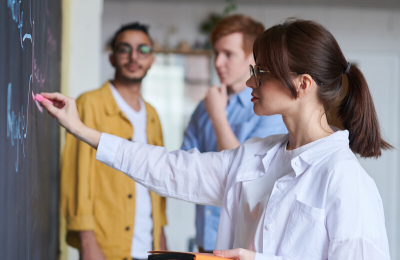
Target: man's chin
x=132, y=79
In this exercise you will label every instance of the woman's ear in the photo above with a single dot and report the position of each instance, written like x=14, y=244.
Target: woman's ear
x=304, y=84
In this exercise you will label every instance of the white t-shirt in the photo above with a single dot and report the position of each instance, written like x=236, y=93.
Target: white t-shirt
x=142, y=232
x=255, y=195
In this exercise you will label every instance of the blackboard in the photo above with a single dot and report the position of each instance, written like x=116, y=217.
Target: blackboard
x=29, y=137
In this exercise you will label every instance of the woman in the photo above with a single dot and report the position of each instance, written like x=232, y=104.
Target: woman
x=302, y=195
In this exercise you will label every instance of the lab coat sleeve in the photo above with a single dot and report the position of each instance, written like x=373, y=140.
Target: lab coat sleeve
x=187, y=175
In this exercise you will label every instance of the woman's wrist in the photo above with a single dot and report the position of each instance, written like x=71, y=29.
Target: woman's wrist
x=87, y=135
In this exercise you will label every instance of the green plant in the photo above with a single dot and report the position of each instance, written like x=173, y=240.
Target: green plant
x=212, y=19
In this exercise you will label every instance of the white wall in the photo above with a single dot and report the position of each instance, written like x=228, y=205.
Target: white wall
x=80, y=60
x=85, y=46
x=369, y=37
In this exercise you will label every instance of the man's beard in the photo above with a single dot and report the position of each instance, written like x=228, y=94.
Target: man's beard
x=130, y=79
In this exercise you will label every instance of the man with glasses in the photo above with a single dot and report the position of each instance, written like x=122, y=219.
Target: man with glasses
x=225, y=118
x=108, y=215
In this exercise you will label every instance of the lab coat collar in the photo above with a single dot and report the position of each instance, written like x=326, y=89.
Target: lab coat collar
x=330, y=144
x=312, y=156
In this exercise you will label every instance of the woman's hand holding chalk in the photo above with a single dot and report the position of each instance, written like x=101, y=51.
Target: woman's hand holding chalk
x=64, y=109
x=41, y=98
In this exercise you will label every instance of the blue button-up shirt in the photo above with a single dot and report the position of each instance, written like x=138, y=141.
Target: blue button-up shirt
x=200, y=134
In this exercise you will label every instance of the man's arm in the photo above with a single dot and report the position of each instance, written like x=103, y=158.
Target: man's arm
x=163, y=240
x=226, y=139
x=90, y=248
x=215, y=103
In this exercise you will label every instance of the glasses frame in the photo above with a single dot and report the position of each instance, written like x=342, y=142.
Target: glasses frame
x=140, y=55
x=256, y=71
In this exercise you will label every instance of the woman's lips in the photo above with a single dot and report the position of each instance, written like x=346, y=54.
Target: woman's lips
x=254, y=98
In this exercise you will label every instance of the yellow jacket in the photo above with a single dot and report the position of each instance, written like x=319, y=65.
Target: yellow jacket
x=97, y=197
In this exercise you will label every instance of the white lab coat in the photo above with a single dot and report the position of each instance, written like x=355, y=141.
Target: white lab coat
x=328, y=209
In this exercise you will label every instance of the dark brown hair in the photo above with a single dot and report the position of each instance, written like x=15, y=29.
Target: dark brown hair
x=238, y=23
x=304, y=46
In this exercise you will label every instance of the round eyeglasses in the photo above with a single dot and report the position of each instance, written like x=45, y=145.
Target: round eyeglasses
x=125, y=50
x=258, y=72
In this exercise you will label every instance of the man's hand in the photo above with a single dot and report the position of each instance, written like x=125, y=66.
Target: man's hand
x=90, y=248
x=216, y=101
x=238, y=253
x=163, y=241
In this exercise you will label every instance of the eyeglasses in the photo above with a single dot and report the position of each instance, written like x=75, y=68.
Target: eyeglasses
x=142, y=50
x=257, y=72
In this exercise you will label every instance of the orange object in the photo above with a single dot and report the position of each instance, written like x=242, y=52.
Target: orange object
x=173, y=255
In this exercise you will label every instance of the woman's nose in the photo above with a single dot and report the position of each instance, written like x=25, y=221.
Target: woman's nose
x=251, y=83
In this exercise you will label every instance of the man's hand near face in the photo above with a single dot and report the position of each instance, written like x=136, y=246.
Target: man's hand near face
x=215, y=103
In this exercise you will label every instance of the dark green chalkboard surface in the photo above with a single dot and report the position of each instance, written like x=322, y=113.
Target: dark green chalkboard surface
x=29, y=137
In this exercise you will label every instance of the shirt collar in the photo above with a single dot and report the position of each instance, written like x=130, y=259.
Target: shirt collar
x=335, y=141
x=312, y=156
x=244, y=97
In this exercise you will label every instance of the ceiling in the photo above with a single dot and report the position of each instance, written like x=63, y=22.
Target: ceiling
x=344, y=3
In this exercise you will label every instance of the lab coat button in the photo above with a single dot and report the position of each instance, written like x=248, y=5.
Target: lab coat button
x=268, y=227
x=298, y=163
x=278, y=186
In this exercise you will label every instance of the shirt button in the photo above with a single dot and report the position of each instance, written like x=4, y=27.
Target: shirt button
x=208, y=212
x=130, y=196
x=297, y=163
x=125, y=258
x=130, y=139
x=127, y=228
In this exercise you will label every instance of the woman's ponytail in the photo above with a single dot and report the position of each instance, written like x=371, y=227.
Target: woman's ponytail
x=358, y=116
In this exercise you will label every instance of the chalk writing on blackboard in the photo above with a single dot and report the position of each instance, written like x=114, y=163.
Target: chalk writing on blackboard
x=18, y=17
x=17, y=124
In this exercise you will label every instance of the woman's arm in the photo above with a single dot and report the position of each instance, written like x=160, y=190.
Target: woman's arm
x=187, y=175
x=190, y=176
